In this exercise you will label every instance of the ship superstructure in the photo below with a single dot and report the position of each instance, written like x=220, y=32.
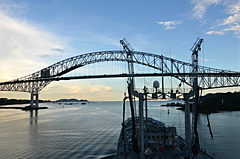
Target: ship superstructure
x=157, y=139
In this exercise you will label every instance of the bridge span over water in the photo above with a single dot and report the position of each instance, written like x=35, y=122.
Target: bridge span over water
x=208, y=78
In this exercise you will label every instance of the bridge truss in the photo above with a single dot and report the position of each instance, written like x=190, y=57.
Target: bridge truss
x=208, y=78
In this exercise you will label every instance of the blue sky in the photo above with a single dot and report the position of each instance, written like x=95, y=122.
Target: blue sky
x=35, y=34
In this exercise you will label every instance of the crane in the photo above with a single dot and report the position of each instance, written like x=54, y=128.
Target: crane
x=128, y=49
x=195, y=139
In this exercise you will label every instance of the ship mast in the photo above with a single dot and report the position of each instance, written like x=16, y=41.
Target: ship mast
x=195, y=139
x=192, y=143
x=132, y=92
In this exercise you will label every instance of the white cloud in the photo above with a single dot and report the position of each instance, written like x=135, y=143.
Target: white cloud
x=8, y=6
x=184, y=43
x=231, y=19
x=201, y=6
x=208, y=60
x=215, y=32
x=170, y=24
x=22, y=46
x=235, y=28
x=233, y=7
x=79, y=90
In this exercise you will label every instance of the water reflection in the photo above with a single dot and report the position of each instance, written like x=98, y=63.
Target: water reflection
x=33, y=118
x=79, y=132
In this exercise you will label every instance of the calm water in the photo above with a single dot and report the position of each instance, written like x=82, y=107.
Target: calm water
x=92, y=130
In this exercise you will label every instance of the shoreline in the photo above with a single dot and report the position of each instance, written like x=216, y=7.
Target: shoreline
x=24, y=108
x=206, y=109
x=4, y=102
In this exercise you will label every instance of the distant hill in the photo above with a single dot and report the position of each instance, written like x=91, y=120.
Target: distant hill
x=222, y=99
x=71, y=100
x=5, y=101
x=213, y=103
x=221, y=102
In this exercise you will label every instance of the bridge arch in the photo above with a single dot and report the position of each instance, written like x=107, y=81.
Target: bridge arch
x=35, y=82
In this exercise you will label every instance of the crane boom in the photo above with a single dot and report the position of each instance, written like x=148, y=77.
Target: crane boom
x=128, y=49
x=197, y=45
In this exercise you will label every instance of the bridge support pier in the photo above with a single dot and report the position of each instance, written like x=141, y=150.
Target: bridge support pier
x=36, y=100
x=32, y=101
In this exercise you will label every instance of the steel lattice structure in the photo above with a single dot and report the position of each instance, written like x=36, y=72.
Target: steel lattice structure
x=207, y=77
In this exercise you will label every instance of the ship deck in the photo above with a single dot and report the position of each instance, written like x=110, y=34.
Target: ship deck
x=156, y=149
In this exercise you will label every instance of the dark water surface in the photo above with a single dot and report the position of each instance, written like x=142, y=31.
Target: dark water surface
x=92, y=130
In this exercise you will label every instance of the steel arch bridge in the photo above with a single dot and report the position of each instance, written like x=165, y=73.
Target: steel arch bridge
x=208, y=78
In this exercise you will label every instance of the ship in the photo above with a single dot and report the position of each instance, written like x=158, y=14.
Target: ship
x=146, y=137
x=143, y=137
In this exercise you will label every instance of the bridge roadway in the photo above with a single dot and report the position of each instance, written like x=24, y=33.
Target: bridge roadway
x=202, y=75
